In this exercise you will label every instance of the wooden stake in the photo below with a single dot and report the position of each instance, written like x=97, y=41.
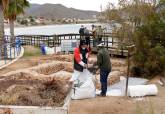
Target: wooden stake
x=128, y=57
x=130, y=48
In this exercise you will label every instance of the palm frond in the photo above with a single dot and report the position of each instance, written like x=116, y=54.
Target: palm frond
x=5, y=4
x=16, y=7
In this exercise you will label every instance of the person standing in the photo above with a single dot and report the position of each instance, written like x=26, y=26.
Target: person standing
x=87, y=37
x=94, y=35
x=81, y=32
x=104, y=64
x=93, y=31
x=81, y=55
x=99, y=32
x=18, y=44
x=43, y=50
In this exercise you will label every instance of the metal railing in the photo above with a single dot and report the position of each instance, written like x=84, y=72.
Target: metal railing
x=55, y=40
x=109, y=39
x=8, y=52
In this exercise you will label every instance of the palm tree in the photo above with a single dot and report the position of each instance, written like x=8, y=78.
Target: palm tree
x=1, y=24
x=3, y=7
x=16, y=7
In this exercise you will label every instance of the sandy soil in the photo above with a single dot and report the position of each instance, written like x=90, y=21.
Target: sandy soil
x=121, y=105
x=106, y=105
x=117, y=105
x=26, y=62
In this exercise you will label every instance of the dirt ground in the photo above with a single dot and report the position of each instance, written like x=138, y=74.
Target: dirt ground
x=30, y=61
x=121, y=105
x=102, y=105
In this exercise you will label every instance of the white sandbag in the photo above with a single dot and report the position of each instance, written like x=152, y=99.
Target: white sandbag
x=75, y=75
x=81, y=76
x=85, y=75
x=86, y=90
x=49, y=50
x=114, y=92
x=142, y=90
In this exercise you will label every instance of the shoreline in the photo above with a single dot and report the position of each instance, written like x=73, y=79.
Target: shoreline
x=41, y=25
x=48, y=29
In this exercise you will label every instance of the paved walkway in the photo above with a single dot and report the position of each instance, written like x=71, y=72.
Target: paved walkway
x=2, y=62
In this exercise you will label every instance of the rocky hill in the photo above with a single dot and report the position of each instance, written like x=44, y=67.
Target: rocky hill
x=58, y=11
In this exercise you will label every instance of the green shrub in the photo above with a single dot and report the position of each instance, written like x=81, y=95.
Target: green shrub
x=149, y=59
x=32, y=51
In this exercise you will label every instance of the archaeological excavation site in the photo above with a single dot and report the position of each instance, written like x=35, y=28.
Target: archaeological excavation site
x=44, y=84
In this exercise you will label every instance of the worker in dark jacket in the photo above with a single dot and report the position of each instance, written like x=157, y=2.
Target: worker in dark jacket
x=81, y=32
x=81, y=55
x=87, y=37
x=104, y=64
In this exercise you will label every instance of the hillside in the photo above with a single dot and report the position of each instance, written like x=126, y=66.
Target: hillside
x=58, y=11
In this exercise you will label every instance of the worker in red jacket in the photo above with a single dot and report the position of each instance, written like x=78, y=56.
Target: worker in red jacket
x=81, y=55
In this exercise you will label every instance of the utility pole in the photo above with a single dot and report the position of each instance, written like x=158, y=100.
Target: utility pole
x=100, y=14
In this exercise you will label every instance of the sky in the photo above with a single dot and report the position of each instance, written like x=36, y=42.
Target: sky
x=94, y=5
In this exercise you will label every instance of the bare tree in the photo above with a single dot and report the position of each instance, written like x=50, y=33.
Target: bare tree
x=130, y=14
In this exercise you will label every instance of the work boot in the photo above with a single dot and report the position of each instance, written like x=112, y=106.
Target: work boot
x=102, y=95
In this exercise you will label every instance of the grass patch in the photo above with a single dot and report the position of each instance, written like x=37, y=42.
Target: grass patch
x=32, y=51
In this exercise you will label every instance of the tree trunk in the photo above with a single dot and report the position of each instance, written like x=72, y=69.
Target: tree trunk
x=1, y=25
x=1, y=32
x=12, y=31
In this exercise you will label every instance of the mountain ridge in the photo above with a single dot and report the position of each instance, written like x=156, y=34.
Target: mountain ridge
x=58, y=11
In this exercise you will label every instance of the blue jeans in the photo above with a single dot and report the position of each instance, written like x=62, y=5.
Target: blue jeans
x=103, y=79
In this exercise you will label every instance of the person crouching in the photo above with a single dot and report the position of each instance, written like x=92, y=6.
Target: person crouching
x=81, y=55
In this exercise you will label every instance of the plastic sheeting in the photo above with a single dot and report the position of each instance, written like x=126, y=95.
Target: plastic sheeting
x=118, y=89
x=142, y=90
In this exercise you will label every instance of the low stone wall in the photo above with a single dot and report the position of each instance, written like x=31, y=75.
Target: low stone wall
x=56, y=70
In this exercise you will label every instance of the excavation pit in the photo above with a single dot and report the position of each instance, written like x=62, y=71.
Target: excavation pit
x=23, y=92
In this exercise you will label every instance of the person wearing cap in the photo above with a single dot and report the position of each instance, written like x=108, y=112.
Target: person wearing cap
x=81, y=55
x=104, y=64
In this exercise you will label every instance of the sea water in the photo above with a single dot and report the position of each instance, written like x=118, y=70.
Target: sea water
x=48, y=29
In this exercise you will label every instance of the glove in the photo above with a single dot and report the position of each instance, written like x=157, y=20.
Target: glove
x=85, y=66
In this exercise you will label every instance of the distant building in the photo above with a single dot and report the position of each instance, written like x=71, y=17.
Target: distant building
x=40, y=20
